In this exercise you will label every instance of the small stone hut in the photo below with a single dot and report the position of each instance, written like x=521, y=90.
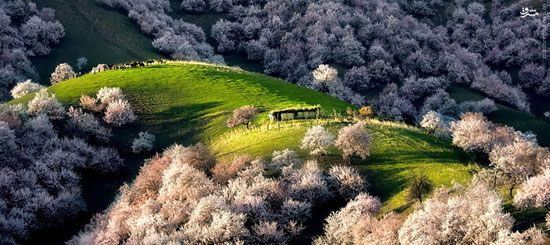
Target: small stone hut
x=295, y=113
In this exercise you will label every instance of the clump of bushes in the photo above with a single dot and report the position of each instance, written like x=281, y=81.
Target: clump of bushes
x=40, y=184
x=176, y=201
x=24, y=88
x=118, y=110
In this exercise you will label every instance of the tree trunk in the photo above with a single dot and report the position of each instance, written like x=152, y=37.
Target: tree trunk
x=349, y=160
x=512, y=190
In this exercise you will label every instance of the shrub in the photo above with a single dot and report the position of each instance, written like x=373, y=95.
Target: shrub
x=45, y=103
x=475, y=214
x=243, y=115
x=339, y=227
x=144, y=142
x=62, y=73
x=366, y=112
x=24, y=88
x=432, y=121
x=419, y=186
x=317, y=140
x=354, y=140
x=197, y=156
x=119, y=113
x=87, y=124
x=346, y=181
x=90, y=104
x=108, y=95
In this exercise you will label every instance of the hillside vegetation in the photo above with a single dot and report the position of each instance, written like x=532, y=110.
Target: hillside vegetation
x=397, y=151
x=187, y=103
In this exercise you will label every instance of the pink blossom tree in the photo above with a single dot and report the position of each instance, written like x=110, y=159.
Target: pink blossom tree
x=243, y=115
x=519, y=160
x=457, y=215
x=473, y=132
x=354, y=140
x=534, y=192
x=119, y=112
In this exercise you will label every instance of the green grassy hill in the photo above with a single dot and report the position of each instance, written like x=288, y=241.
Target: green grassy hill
x=397, y=151
x=187, y=103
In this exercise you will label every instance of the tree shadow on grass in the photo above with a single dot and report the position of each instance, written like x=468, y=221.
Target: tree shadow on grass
x=385, y=183
x=178, y=124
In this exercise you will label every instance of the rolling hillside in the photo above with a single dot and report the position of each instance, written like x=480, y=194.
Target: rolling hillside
x=114, y=38
x=189, y=102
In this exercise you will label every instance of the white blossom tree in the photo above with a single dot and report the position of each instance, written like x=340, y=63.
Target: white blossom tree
x=119, y=112
x=354, y=140
x=317, y=139
x=324, y=75
x=285, y=159
x=24, y=88
x=346, y=181
x=432, y=121
x=62, y=73
x=519, y=160
x=473, y=132
x=339, y=227
x=46, y=103
x=107, y=95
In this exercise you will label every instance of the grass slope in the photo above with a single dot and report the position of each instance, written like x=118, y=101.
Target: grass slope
x=186, y=103
x=397, y=151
